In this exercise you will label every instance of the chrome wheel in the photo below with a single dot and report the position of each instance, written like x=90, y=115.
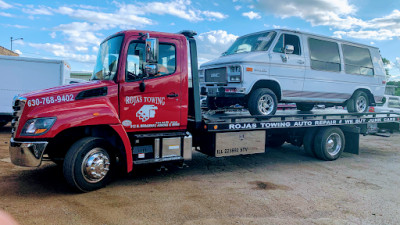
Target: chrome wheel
x=266, y=104
x=333, y=144
x=361, y=104
x=95, y=165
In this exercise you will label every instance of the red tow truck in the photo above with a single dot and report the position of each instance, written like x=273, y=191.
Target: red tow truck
x=142, y=108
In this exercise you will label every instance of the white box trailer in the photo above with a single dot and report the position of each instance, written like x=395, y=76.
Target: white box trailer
x=21, y=75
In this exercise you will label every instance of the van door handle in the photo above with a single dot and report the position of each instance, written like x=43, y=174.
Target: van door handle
x=300, y=61
x=172, y=95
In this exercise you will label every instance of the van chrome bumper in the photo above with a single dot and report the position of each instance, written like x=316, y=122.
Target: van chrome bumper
x=27, y=153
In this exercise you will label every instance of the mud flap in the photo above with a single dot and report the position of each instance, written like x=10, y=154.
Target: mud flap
x=352, y=137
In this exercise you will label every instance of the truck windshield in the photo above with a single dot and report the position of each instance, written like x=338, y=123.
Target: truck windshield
x=251, y=43
x=107, y=59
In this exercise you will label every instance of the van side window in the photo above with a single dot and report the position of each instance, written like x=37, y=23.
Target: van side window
x=357, y=60
x=324, y=55
x=288, y=39
x=135, y=61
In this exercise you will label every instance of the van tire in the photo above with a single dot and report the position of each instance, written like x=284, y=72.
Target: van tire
x=260, y=99
x=329, y=143
x=358, y=103
x=305, y=106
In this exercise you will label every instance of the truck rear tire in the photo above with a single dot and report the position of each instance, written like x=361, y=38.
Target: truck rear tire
x=262, y=102
x=305, y=106
x=88, y=164
x=308, y=141
x=329, y=143
x=359, y=103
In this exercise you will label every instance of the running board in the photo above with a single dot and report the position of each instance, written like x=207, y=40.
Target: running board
x=158, y=160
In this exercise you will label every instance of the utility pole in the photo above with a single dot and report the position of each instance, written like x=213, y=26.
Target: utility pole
x=11, y=39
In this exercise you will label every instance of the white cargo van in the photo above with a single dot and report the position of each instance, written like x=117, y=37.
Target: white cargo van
x=21, y=75
x=264, y=68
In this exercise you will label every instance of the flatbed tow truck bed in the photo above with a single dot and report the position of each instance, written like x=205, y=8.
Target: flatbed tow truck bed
x=324, y=134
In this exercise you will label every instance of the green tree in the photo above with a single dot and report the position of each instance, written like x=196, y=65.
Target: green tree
x=386, y=62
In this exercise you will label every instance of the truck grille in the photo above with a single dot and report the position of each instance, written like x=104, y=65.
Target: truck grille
x=18, y=107
x=217, y=75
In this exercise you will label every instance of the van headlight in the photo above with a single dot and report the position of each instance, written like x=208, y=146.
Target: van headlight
x=236, y=78
x=38, y=126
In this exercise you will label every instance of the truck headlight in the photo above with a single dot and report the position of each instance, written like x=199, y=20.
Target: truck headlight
x=38, y=126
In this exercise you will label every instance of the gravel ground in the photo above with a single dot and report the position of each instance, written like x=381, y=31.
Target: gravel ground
x=283, y=186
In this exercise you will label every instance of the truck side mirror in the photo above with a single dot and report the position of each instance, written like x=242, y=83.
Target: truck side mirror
x=151, y=50
x=289, y=49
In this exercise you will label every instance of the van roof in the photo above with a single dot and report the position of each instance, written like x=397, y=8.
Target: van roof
x=315, y=35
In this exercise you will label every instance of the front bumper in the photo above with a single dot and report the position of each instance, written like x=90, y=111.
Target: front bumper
x=223, y=92
x=27, y=153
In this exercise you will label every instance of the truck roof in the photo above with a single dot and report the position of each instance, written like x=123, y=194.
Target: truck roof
x=138, y=32
x=315, y=35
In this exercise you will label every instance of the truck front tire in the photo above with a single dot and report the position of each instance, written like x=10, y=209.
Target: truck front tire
x=262, y=102
x=88, y=164
x=329, y=143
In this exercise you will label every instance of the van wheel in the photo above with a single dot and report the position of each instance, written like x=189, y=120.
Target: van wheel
x=305, y=106
x=88, y=164
x=262, y=102
x=211, y=103
x=359, y=103
x=329, y=143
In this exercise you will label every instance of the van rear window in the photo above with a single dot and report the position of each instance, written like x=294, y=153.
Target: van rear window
x=357, y=60
x=324, y=55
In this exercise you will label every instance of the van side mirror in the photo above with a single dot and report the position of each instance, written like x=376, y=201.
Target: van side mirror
x=151, y=50
x=289, y=49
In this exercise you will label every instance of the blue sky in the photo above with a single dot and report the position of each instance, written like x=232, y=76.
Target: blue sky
x=72, y=30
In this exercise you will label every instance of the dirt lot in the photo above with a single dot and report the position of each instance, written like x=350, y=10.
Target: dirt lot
x=283, y=186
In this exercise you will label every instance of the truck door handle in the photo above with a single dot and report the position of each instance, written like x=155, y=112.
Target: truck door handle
x=300, y=61
x=172, y=95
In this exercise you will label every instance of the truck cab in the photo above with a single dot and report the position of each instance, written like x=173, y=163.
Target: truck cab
x=135, y=109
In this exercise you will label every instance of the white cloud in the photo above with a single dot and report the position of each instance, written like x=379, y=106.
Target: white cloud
x=336, y=13
x=4, y=5
x=214, y=15
x=40, y=10
x=252, y=15
x=212, y=44
x=64, y=52
x=6, y=14
x=15, y=26
x=238, y=7
x=18, y=52
x=53, y=35
x=384, y=28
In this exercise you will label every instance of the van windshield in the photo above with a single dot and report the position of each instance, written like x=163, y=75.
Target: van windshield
x=251, y=43
x=107, y=59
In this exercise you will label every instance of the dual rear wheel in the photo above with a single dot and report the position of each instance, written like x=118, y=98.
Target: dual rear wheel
x=325, y=143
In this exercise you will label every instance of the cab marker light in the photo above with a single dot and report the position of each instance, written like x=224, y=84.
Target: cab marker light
x=96, y=114
x=249, y=69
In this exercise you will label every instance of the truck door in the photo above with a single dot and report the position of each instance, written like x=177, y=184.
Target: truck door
x=288, y=69
x=151, y=103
